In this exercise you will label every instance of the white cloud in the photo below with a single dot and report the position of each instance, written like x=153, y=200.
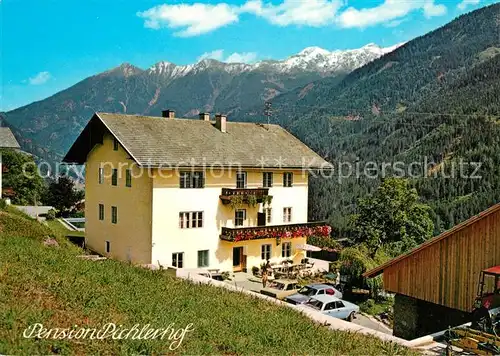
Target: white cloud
x=394, y=23
x=40, y=78
x=196, y=19
x=193, y=20
x=432, y=10
x=244, y=57
x=464, y=4
x=218, y=54
x=389, y=10
x=293, y=12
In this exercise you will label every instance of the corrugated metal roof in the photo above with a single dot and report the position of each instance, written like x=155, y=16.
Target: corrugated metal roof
x=493, y=270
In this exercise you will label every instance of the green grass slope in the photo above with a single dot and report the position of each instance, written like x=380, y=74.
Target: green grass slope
x=50, y=285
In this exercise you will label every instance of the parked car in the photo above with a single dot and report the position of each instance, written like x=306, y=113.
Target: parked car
x=280, y=288
x=311, y=290
x=333, y=306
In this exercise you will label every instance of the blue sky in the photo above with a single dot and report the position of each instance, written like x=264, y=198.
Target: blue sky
x=50, y=45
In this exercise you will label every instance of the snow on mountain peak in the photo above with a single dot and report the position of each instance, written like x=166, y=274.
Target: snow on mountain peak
x=313, y=51
x=310, y=59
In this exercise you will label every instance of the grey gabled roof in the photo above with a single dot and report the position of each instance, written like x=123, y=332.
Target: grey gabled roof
x=163, y=142
x=7, y=139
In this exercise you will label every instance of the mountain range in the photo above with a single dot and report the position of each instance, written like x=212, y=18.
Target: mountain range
x=208, y=85
x=436, y=97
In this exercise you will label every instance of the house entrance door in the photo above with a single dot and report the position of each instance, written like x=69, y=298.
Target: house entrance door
x=239, y=259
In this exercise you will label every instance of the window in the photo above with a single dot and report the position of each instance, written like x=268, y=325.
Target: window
x=240, y=216
x=202, y=258
x=268, y=213
x=339, y=305
x=114, y=177
x=241, y=180
x=128, y=178
x=330, y=306
x=178, y=259
x=286, y=249
x=108, y=247
x=190, y=219
x=265, y=252
x=192, y=180
x=115, y=144
x=101, y=211
x=114, y=214
x=267, y=179
x=287, y=179
x=101, y=175
x=287, y=215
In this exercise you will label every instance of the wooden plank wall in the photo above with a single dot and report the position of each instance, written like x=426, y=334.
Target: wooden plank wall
x=447, y=272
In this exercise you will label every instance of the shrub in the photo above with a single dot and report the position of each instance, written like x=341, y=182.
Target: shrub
x=3, y=204
x=255, y=270
x=51, y=214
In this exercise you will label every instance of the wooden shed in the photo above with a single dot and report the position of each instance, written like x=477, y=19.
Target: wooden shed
x=445, y=270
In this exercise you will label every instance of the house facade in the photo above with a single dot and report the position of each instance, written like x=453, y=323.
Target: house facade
x=195, y=193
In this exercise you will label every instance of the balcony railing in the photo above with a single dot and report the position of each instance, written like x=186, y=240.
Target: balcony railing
x=318, y=228
x=229, y=194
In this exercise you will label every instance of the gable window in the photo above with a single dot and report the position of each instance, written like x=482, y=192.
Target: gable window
x=287, y=179
x=268, y=213
x=192, y=180
x=128, y=178
x=115, y=144
x=267, y=179
x=178, y=259
x=114, y=177
x=101, y=175
x=240, y=216
x=101, y=211
x=287, y=215
x=202, y=258
x=241, y=180
x=190, y=219
x=286, y=249
x=114, y=214
x=265, y=252
x=107, y=247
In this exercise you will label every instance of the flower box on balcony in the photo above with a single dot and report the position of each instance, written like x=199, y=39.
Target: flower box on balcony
x=275, y=232
x=258, y=195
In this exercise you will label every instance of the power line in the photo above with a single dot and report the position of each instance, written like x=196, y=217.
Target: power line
x=268, y=111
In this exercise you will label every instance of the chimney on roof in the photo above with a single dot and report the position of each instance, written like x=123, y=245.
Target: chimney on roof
x=205, y=116
x=169, y=114
x=220, y=122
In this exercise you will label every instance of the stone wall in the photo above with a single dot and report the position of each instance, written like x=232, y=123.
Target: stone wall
x=405, y=317
x=433, y=318
x=415, y=318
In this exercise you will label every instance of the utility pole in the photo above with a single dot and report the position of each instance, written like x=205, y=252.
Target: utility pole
x=268, y=111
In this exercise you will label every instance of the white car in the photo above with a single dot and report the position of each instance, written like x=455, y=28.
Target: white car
x=333, y=306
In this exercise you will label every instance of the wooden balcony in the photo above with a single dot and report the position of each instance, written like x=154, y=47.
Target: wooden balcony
x=229, y=194
x=318, y=228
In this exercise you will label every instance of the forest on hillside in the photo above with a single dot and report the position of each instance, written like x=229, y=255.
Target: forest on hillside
x=431, y=109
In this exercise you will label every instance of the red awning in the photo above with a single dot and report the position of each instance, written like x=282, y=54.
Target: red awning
x=492, y=270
